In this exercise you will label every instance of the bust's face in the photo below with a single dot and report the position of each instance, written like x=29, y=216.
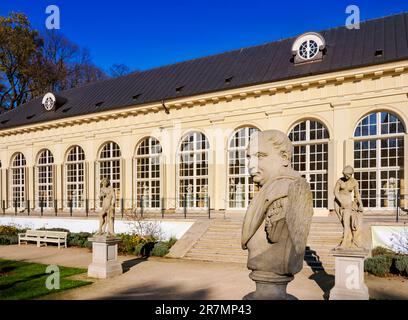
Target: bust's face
x=104, y=183
x=264, y=161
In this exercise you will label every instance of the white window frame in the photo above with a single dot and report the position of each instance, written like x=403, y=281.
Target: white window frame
x=200, y=198
x=308, y=172
x=47, y=169
x=150, y=157
x=378, y=137
x=18, y=190
x=77, y=202
x=248, y=185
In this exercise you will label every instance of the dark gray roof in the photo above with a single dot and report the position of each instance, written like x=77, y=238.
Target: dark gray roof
x=248, y=66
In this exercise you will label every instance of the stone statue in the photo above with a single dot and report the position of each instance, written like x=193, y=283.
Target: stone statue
x=349, y=209
x=390, y=192
x=278, y=219
x=145, y=195
x=350, y=254
x=106, y=217
x=190, y=195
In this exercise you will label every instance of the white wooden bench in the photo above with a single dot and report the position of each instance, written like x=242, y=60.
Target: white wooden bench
x=43, y=237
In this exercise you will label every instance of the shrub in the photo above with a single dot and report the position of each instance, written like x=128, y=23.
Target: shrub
x=55, y=229
x=160, y=249
x=138, y=249
x=79, y=239
x=129, y=243
x=401, y=264
x=171, y=242
x=6, y=239
x=379, y=265
x=381, y=251
x=9, y=230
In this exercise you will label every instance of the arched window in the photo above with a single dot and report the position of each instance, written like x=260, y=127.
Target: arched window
x=241, y=188
x=109, y=167
x=193, y=171
x=310, y=157
x=379, y=159
x=18, y=179
x=75, y=177
x=147, y=159
x=45, y=179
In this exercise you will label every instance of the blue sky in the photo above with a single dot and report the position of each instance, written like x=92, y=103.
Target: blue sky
x=146, y=34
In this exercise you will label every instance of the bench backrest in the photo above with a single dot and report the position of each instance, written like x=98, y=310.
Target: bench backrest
x=36, y=233
x=56, y=234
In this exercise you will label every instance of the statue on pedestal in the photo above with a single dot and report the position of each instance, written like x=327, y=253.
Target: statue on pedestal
x=278, y=219
x=349, y=209
x=349, y=255
x=106, y=216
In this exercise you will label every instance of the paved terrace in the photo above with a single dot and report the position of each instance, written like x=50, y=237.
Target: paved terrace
x=163, y=278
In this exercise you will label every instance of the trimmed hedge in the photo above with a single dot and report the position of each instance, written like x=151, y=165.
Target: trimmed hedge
x=401, y=264
x=378, y=265
x=6, y=239
x=386, y=265
x=381, y=251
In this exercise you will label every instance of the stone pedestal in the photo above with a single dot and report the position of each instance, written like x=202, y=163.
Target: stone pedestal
x=269, y=286
x=104, y=257
x=349, y=275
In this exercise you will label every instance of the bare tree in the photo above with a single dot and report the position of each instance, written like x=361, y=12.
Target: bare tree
x=84, y=71
x=118, y=70
x=139, y=225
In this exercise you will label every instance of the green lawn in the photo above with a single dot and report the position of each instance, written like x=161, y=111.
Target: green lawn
x=24, y=280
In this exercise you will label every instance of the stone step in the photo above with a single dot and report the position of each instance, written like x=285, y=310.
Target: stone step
x=222, y=242
x=219, y=252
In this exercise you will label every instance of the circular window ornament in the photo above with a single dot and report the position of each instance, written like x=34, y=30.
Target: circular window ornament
x=308, y=47
x=49, y=101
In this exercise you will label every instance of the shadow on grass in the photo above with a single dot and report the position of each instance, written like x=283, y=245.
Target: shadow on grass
x=25, y=280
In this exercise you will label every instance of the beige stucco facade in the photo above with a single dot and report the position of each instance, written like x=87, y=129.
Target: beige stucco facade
x=338, y=100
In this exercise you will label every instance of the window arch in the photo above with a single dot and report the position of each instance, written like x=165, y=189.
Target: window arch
x=148, y=175
x=241, y=188
x=45, y=179
x=193, y=170
x=75, y=177
x=18, y=180
x=310, y=157
x=110, y=167
x=379, y=158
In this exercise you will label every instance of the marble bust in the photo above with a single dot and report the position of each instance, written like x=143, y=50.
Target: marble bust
x=278, y=219
x=349, y=209
x=106, y=216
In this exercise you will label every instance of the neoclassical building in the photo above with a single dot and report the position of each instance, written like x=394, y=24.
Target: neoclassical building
x=176, y=135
